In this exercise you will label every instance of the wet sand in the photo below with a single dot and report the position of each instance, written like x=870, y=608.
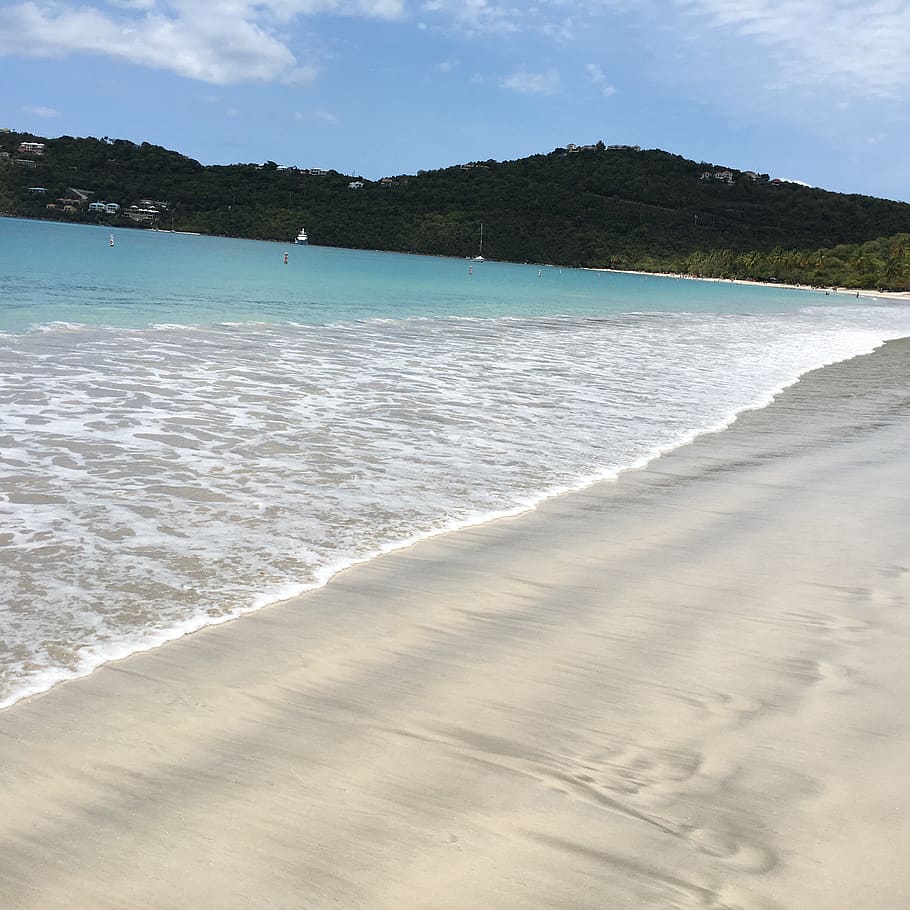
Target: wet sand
x=684, y=689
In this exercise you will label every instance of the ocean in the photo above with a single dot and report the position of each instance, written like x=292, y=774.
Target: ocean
x=192, y=429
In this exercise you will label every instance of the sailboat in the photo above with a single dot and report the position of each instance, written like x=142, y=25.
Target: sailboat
x=479, y=256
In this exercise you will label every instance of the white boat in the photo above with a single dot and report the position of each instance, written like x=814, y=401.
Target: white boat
x=302, y=237
x=479, y=256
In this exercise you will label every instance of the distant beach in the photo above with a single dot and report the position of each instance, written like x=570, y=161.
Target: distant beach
x=852, y=292
x=683, y=689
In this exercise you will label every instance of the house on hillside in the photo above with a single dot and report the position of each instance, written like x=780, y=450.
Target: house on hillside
x=31, y=148
x=37, y=190
x=317, y=171
x=356, y=185
x=142, y=214
x=721, y=174
x=112, y=208
x=25, y=162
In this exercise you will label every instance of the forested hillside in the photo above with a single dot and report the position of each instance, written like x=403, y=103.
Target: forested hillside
x=595, y=206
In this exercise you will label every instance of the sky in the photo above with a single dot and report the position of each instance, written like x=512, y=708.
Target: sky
x=808, y=90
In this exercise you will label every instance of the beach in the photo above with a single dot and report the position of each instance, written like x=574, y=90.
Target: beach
x=836, y=291
x=685, y=688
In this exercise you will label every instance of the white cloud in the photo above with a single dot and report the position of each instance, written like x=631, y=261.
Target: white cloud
x=132, y=4
x=480, y=16
x=221, y=42
x=840, y=47
x=40, y=111
x=861, y=49
x=833, y=46
x=528, y=83
x=325, y=117
x=598, y=77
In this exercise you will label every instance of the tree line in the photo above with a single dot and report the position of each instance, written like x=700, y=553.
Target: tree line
x=598, y=207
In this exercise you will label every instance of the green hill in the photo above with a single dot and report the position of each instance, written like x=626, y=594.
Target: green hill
x=596, y=206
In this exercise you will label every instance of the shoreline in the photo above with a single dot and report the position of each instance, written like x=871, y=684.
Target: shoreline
x=681, y=689
x=852, y=292
x=836, y=290
x=197, y=624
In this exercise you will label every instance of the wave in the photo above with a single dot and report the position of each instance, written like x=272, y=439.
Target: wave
x=166, y=480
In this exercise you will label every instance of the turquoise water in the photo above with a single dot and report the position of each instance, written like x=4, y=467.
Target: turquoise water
x=190, y=429
x=150, y=278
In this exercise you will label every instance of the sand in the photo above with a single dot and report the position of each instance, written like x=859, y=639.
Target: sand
x=838, y=291
x=684, y=689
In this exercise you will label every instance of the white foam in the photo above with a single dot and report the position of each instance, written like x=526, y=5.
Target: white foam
x=175, y=480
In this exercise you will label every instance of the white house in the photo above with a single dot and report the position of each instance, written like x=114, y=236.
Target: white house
x=141, y=214
x=355, y=185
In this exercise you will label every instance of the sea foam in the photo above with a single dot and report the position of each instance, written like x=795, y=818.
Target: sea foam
x=159, y=480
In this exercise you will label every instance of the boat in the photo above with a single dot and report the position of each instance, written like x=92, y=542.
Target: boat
x=111, y=241
x=479, y=256
x=302, y=237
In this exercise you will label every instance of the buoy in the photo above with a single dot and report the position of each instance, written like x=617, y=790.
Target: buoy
x=112, y=240
x=539, y=273
x=470, y=269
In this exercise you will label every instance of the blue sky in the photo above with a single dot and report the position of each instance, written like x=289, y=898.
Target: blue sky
x=812, y=90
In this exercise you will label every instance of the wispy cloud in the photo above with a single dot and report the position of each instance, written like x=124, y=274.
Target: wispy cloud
x=482, y=16
x=861, y=49
x=40, y=111
x=317, y=116
x=832, y=46
x=530, y=83
x=598, y=77
x=221, y=42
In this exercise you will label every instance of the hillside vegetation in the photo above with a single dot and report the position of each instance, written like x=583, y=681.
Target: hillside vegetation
x=596, y=206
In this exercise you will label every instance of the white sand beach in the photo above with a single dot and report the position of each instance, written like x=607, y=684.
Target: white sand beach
x=684, y=689
x=838, y=291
